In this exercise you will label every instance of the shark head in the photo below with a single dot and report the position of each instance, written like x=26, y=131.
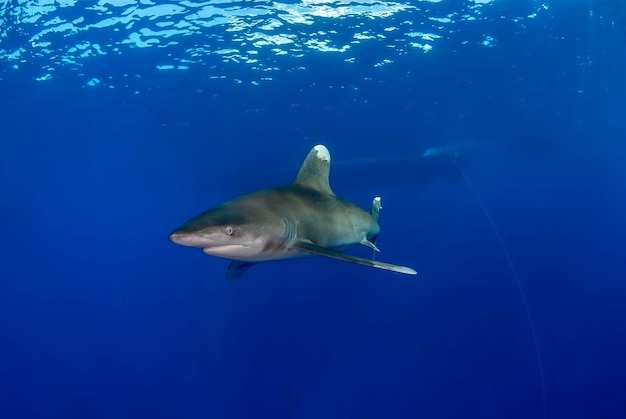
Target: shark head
x=223, y=231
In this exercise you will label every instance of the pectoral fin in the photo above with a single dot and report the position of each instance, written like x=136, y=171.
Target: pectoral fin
x=236, y=269
x=308, y=247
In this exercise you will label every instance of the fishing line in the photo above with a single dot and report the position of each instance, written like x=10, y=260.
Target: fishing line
x=517, y=280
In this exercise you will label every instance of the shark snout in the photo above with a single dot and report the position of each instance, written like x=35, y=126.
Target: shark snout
x=185, y=238
x=177, y=237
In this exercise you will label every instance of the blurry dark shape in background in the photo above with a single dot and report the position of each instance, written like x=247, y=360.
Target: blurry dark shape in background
x=358, y=173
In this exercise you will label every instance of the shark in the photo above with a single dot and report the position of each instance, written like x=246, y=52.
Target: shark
x=303, y=218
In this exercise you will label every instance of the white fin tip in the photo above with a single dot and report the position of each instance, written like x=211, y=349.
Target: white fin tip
x=322, y=152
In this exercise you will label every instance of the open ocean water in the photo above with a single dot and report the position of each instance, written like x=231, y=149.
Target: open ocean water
x=493, y=130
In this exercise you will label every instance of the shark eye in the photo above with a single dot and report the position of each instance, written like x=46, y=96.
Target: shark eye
x=229, y=230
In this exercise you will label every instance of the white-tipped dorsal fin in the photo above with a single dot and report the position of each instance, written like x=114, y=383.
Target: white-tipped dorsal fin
x=314, y=171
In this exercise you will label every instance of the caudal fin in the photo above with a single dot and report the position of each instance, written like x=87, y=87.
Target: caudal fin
x=374, y=211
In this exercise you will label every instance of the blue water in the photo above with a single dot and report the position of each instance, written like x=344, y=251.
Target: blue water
x=111, y=140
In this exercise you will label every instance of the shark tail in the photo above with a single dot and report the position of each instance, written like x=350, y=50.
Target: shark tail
x=375, y=208
x=374, y=211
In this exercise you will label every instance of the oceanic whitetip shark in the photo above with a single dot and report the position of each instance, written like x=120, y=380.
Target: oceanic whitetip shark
x=301, y=219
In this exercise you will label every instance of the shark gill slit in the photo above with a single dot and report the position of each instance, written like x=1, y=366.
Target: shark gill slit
x=517, y=281
x=291, y=229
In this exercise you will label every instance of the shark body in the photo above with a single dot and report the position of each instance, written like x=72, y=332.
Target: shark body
x=301, y=219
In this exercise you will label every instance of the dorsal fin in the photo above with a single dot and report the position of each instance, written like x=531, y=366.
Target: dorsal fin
x=314, y=171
